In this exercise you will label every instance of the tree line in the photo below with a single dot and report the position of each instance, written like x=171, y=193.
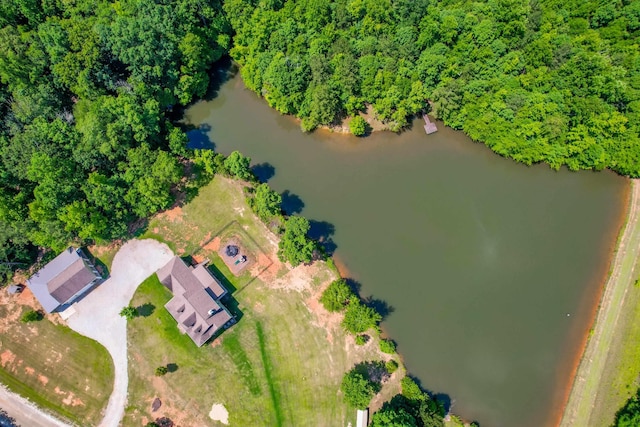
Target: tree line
x=90, y=90
x=536, y=80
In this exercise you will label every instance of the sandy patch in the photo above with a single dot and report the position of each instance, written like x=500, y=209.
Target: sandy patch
x=72, y=400
x=44, y=380
x=213, y=245
x=26, y=298
x=219, y=413
x=7, y=357
x=29, y=371
x=173, y=215
x=298, y=279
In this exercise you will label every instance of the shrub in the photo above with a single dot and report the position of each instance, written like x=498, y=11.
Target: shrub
x=411, y=390
x=164, y=422
x=337, y=296
x=161, y=370
x=359, y=318
x=362, y=339
x=128, y=312
x=391, y=366
x=357, y=389
x=358, y=126
x=387, y=346
x=629, y=414
x=31, y=316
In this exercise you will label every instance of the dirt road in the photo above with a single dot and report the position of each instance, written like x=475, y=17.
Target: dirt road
x=586, y=384
x=26, y=413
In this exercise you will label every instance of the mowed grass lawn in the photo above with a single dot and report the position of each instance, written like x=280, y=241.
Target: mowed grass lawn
x=53, y=366
x=276, y=367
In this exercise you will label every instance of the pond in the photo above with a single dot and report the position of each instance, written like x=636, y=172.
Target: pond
x=489, y=270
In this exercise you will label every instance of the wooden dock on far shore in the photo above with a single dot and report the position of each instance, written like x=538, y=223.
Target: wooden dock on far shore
x=429, y=127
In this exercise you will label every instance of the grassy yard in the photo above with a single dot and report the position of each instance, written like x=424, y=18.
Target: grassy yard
x=53, y=366
x=621, y=376
x=280, y=365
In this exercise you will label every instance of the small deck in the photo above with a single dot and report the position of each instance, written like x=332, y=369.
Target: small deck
x=429, y=127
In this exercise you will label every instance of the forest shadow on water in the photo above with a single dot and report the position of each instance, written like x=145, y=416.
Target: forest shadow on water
x=198, y=137
x=223, y=71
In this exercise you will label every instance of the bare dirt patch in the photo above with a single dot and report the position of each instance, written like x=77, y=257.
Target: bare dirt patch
x=29, y=371
x=213, y=245
x=43, y=380
x=298, y=279
x=173, y=215
x=7, y=357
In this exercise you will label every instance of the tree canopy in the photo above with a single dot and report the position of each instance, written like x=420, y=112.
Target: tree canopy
x=358, y=390
x=337, y=295
x=359, y=318
x=538, y=81
x=295, y=246
x=86, y=89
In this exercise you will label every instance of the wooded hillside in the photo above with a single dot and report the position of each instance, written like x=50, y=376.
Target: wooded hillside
x=538, y=81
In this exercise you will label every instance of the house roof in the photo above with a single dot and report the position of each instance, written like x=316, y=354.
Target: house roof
x=195, y=304
x=61, y=279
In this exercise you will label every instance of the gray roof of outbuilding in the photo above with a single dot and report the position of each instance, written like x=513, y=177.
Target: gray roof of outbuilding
x=60, y=279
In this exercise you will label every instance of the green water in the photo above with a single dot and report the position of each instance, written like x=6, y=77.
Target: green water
x=491, y=268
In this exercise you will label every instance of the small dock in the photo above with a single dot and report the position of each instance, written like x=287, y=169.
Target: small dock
x=429, y=127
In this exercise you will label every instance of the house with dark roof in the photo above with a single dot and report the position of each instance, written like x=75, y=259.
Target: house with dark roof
x=63, y=280
x=196, y=302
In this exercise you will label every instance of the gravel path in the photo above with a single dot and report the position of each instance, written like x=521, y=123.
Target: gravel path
x=26, y=413
x=97, y=315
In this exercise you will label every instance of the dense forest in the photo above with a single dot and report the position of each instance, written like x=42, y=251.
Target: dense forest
x=90, y=90
x=536, y=80
x=87, y=87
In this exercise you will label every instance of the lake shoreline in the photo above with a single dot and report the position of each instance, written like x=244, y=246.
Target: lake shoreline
x=574, y=394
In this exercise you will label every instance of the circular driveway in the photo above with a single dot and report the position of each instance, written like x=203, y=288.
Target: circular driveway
x=97, y=315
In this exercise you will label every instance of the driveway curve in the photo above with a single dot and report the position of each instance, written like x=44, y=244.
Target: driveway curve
x=97, y=315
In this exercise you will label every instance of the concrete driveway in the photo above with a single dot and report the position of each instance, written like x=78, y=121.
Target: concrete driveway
x=97, y=314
